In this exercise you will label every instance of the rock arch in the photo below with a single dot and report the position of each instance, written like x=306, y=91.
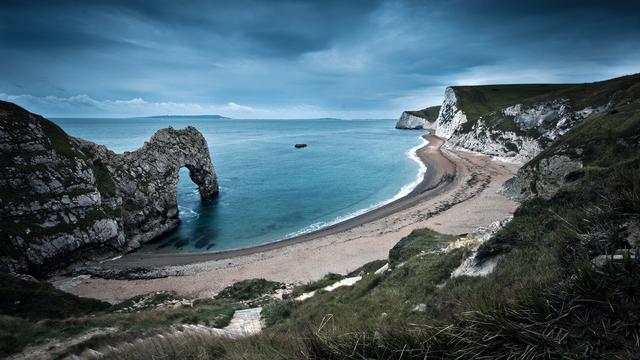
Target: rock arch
x=146, y=180
x=65, y=199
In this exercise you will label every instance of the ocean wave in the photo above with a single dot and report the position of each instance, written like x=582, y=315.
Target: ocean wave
x=404, y=191
x=187, y=214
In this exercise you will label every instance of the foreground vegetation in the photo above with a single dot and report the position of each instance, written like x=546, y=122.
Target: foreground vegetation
x=544, y=299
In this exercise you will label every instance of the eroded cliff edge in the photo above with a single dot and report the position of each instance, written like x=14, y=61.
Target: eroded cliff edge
x=421, y=119
x=64, y=199
x=526, y=122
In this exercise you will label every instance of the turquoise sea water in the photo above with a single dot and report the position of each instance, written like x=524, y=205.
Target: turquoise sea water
x=269, y=190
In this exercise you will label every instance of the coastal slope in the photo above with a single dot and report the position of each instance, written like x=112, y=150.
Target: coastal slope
x=65, y=199
x=519, y=121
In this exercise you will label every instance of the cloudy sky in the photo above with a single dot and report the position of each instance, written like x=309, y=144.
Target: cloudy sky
x=298, y=59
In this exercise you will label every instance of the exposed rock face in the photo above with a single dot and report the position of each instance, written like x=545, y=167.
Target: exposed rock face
x=411, y=122
x=531, y=128
x=450, y=117
x=506, y=144
x=147, y=179
x=418, y=120
x=543, y=178
x=63, y=198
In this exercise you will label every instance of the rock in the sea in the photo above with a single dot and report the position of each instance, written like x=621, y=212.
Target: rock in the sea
x=300, y=146
x=65, y=199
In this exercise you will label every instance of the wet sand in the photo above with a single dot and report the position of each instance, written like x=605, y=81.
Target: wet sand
x=457, y=194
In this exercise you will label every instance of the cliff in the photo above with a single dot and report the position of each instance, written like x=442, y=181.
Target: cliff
x=519, y=121
x=421, y=119
x=65, y=199
x=603, y=140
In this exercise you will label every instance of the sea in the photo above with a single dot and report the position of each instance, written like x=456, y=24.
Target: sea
x=270, y=190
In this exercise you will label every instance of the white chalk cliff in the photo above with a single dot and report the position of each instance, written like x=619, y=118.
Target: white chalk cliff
x=412, y=122
x=450, y=117
x=518, y=131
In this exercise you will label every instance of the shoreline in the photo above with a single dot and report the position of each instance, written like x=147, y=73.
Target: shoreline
x=440, y=172
x=459, y=195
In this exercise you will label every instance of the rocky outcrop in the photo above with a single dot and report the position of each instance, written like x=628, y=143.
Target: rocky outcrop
x=411, y=122
x=519, y=121
x=418, y=120
x=147, y=179
x=64, y=199
x=543, y=178
x=451, y=117
x=527, y=130
x=522, y=131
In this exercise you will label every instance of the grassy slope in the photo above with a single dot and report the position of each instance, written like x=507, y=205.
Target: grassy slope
x=477, y=101
x=33, y=312
x=543, y=300
x=604, y=139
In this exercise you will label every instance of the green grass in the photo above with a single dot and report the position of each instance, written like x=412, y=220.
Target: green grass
x=486, y=101
x=332, y=278
x=249, y=289
x=326, y=280
x=35, y=300
x=367, y=268
x=476, y=101
x=420, y=240
x=277, y=312
x=543, y=300
x=58, y=139
x=32, y=312
x=16, y=333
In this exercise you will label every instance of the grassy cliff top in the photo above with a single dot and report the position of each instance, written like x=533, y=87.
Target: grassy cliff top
x=430, y=113
x=604, y=139
x=477, y=101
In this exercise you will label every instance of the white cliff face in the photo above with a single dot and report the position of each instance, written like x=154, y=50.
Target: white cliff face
x=552, y=118
x=412, y=122
x=450, y=117
x=496, y=143
x=537, y=126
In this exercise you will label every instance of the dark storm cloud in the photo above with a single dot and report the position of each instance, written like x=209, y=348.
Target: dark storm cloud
x=298, y=58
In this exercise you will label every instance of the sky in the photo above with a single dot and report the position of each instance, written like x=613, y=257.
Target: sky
x=298, y=59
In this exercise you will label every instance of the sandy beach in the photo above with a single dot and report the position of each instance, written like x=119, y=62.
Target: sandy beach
x=458, y=194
